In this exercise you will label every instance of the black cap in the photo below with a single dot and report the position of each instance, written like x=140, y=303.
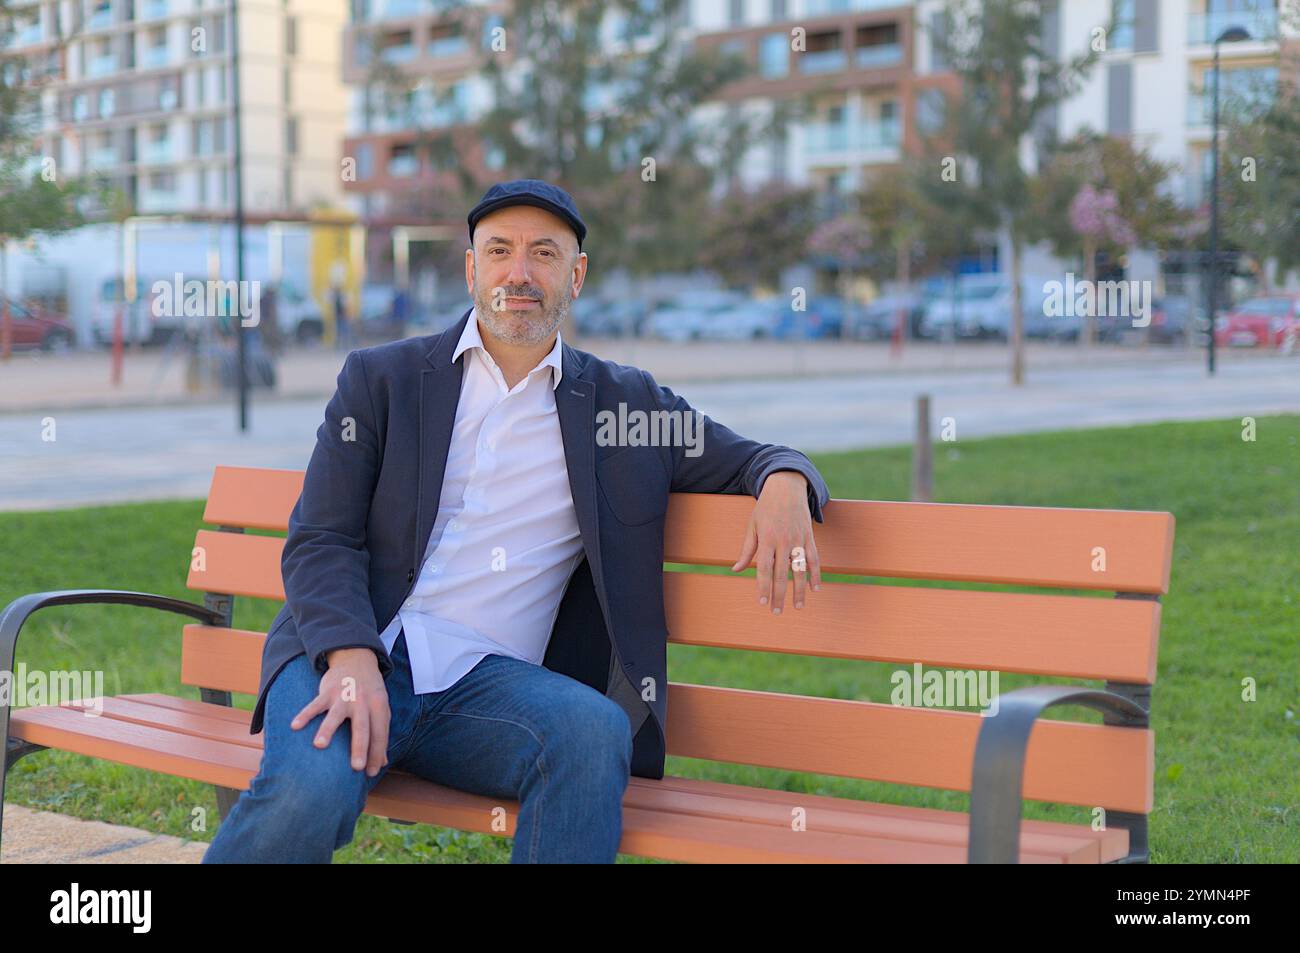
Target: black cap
x=533, y=192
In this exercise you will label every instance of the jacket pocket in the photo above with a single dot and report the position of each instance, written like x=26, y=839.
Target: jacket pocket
x=634, y=484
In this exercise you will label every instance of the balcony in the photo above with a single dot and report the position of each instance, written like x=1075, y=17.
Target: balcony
x=397, y=9
x=1204, y=28
x=880, y=56
x=448, y=46
x=821, y=8
x=102, y=158
x=1242, y=93
x=154, y=57
x=403, y=165
x=157, y=152
x=822, y=61
x=153, y=10
x=100, y=18
x=885, y=134
x=825, y=137
x=101, y=65
x=398, y=53
x=28, y=35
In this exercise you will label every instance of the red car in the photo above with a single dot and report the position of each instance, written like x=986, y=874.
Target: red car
x=32, y=328
x=1266, y=321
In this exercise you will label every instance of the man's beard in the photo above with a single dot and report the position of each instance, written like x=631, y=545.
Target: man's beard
x=521, y=327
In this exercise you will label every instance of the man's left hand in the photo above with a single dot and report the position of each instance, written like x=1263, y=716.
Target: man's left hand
x=780, y=523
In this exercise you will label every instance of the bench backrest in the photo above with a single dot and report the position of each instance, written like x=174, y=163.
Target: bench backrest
x=1062, y=635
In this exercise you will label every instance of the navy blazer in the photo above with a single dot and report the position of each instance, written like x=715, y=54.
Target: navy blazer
x=370, y=495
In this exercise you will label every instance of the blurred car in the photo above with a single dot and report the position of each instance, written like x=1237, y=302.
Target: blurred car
x=38, y=328
x=139, y=324
x=297, y=315
x=980, y=307
x=621, y=317
x=687, y=317
x=877, y=319
x=746, y=321
x=822, y=317
x=1265, y=321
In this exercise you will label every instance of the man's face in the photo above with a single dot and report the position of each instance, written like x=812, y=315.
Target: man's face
x=523, y=273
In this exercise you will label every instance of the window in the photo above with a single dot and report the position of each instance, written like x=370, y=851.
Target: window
x=779, y=11
x=1119, y=99
x=80, y=107
x=1146, y=26
x=217, y=39
x=365, y=161
x=291, y=135
x=736, y=13
x=1121, y=35
x=931, y=111
x=286, y=87
x=106, y=101
x=774, y=55
x=290, y=35
x=938, y=38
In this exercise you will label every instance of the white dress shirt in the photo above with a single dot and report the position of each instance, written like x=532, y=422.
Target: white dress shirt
x=505, y=541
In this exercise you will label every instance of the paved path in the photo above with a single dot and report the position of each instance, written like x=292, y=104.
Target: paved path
x=169, y=452
x=42, y=837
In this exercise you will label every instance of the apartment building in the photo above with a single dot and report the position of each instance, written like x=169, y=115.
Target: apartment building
x=1154, y=80
x=142, y=91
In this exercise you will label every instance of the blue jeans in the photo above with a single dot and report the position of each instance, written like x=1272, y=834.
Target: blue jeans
x=508, y=729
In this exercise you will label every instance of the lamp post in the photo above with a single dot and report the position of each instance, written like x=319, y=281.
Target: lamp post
x=1233, y=34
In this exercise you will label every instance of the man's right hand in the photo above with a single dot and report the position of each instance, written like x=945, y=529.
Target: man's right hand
x=353, y=688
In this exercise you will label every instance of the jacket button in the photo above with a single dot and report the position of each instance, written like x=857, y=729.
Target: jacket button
x=410, y=575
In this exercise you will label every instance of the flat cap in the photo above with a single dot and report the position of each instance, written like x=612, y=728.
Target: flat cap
x=533, y=192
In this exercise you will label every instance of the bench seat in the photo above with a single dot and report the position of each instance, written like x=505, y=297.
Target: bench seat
x=674, y=818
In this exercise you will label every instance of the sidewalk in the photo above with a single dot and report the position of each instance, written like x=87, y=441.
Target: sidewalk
x=32, y=381
x=42, y=837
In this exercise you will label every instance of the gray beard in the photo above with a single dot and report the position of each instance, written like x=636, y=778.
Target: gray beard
x=523, y=328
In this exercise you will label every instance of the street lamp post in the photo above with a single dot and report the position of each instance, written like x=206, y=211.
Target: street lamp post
x=1232, y=34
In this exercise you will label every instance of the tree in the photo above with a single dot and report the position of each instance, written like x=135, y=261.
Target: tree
x=613, y=126
x=35, y=198
x=751, y=234
x=1113, y=195
x=1260, y=176
x=1009, y=79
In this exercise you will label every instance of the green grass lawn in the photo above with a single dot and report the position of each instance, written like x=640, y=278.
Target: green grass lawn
x=1227, y=785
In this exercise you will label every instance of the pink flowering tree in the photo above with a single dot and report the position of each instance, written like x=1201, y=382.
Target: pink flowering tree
x=1096, y=218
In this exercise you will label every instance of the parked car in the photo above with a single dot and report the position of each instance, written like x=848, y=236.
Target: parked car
x=747, y=320
x=298, y=315
x=687, y=317
x=980, y=307
x=1265, y=321
x=139, y=324
x=877, y=319
x=822, y=317
x=38, y=328
x=599, y=317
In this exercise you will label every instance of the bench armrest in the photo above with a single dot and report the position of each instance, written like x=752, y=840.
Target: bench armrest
x=18, y=611
x=998, y=774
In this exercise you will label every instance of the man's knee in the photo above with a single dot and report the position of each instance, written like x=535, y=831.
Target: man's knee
x=592, y=728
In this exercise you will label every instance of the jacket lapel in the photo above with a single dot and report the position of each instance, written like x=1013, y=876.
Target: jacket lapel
x=575, y=403
x=439, y=397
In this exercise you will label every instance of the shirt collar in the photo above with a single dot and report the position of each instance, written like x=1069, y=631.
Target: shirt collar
x=470, y=338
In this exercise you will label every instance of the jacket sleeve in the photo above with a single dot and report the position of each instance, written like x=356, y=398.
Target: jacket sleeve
x=722, y=461
x=325, y=563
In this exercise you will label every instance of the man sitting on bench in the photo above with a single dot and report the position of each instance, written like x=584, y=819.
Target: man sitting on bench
x=473, y=572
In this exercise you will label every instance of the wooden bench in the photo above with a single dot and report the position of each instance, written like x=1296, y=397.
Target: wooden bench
x=998, y=759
